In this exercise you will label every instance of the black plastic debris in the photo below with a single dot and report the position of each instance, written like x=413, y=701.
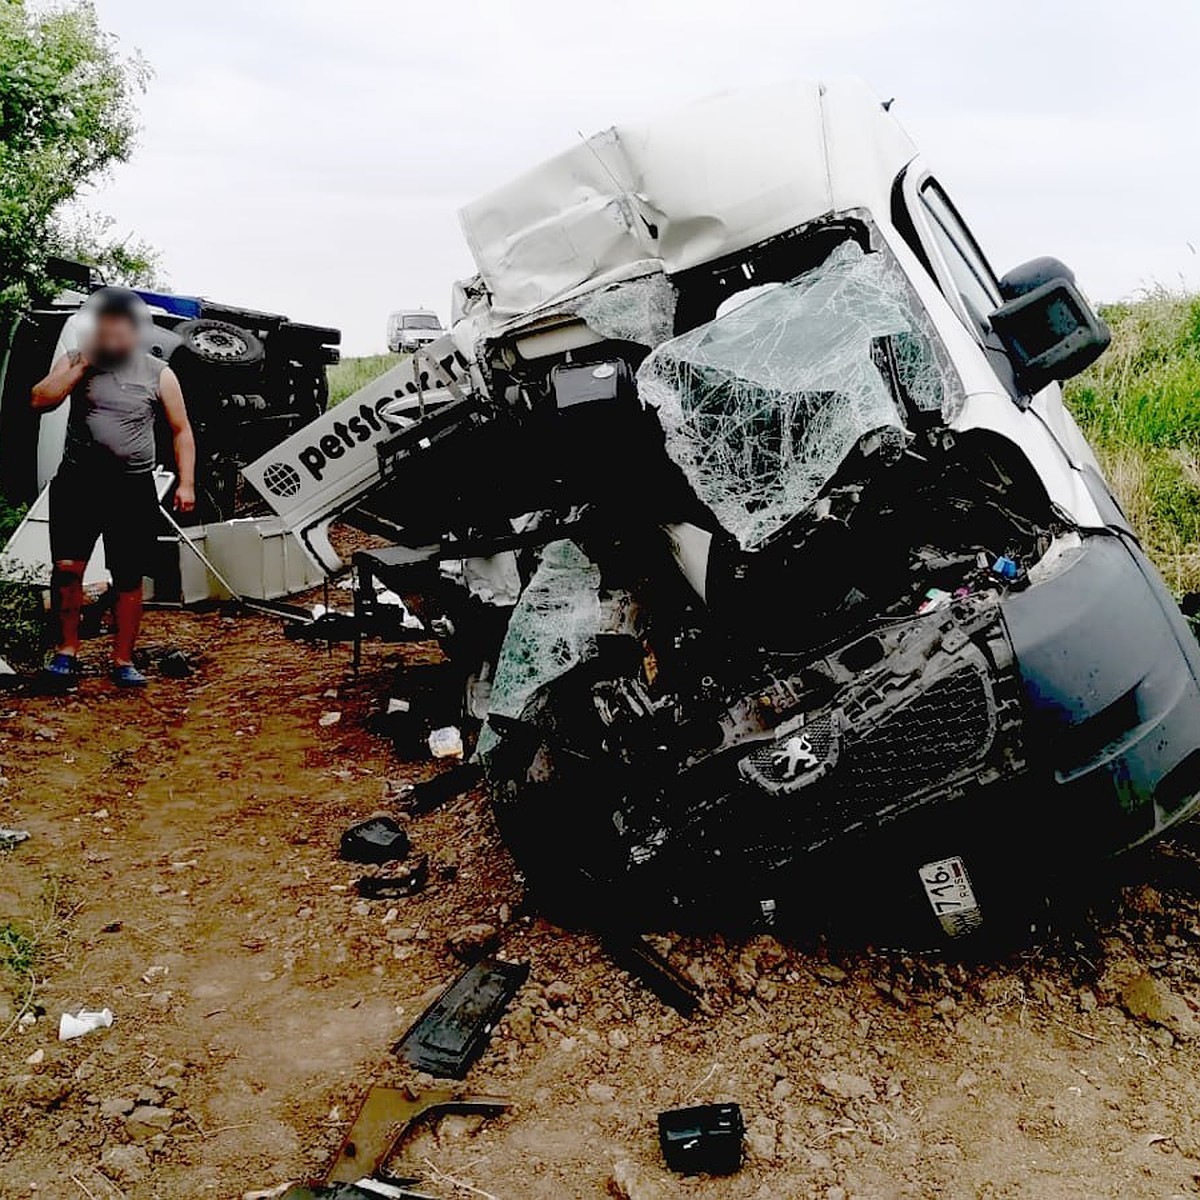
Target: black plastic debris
x=425, y=797
x=408, y=881
x=644, y=963
x=175, y=665
x=378, y=840
x=454, y=1030
x=706, y=1139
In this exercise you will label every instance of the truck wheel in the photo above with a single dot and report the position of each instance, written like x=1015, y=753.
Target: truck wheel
x=220, y=344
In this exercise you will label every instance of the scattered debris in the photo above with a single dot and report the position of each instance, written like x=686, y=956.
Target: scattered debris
x=425, y=797
x=175, y=664
x=326, y=719
x=453, y=1032
x=407, y=881
x=706, y=1139
x=367, y=1189
x=386, y=1118
x=12, y=837
x=378, y=840
x=85, y=1021
x=446, y=742
x=645, y=963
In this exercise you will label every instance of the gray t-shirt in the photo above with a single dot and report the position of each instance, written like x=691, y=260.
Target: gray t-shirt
x=112, y=416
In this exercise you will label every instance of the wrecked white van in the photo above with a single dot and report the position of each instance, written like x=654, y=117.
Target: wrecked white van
x=828, y=608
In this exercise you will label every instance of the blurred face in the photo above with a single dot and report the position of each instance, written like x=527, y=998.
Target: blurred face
x=116, y=338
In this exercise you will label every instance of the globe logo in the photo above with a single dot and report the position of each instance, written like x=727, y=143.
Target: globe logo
x=281, y=479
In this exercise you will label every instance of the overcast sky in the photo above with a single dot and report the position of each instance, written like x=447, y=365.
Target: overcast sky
x=309, y=156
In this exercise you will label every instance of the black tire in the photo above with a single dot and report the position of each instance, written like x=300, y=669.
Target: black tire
x=220, y=344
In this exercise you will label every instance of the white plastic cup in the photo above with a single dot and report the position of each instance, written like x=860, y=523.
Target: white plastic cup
x=84, y=1022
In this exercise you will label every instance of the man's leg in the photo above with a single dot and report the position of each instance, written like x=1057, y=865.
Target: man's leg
x=127, y=617
x=128, y=542
x=66, y=600
x=74, y=527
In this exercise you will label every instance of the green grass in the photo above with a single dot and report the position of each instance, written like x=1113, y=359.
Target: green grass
x=26, y=950
x=1139, y=405
x=22, y=619
x=347, y=376
x=18, y=951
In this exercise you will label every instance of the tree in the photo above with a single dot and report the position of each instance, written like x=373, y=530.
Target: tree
x=126, y=261
x=67, y=116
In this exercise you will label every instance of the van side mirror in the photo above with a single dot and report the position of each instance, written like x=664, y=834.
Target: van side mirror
x=1048, y=329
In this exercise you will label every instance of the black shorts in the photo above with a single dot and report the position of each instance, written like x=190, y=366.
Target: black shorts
x=122, y=507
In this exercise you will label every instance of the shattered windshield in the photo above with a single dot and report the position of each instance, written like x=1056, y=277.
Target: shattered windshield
x=761, y=405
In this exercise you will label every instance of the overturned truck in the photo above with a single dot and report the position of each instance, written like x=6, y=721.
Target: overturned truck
x=822, y=605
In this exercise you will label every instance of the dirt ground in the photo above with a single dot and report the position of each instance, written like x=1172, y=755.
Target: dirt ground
x=183, y=871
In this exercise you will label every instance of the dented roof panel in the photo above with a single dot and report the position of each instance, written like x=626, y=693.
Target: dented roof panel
x=684, y=189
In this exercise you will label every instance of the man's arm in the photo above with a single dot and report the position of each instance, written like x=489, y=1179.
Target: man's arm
x=171, y=395
x=64, y=377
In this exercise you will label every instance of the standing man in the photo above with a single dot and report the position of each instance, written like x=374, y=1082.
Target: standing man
x=105, y=485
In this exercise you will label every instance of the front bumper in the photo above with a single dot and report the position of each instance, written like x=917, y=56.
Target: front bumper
x=1110, y=671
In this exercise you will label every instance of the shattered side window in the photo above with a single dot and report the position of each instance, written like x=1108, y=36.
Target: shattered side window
x=761, y=406
x=638, y=310
x=552, y=629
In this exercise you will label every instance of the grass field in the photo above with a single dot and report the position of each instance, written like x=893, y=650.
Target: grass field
x=346, y=377
x=1140, y=408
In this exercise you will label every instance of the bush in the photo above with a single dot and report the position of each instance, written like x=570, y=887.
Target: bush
x=67, y=117
x=22, y=614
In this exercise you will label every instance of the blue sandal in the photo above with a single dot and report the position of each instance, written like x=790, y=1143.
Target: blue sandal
x=126, y=675
x=62, y=670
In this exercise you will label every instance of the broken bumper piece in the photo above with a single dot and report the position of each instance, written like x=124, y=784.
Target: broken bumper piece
x=454, y=1031
x=386, y=1118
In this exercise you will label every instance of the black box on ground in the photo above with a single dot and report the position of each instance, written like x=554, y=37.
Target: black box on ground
x=706, y=1139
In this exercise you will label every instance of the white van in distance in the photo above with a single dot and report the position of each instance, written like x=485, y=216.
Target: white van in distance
x=411, y=328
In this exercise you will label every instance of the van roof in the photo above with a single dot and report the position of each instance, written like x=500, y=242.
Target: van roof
x=648, y=194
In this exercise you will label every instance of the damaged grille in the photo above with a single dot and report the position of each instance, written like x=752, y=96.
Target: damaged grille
x=943, y=731
x=937, y=715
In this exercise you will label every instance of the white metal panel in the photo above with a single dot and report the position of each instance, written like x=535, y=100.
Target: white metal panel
x=1066, y=487
x=684, y=189
x=25, y=557
x=318, y=472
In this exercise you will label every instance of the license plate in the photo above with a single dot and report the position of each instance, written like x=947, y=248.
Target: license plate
x=948, y=887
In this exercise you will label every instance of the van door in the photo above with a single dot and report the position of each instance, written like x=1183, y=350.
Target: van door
x=966, y=279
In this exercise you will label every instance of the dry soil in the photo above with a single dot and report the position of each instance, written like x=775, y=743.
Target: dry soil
x=183, y=871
